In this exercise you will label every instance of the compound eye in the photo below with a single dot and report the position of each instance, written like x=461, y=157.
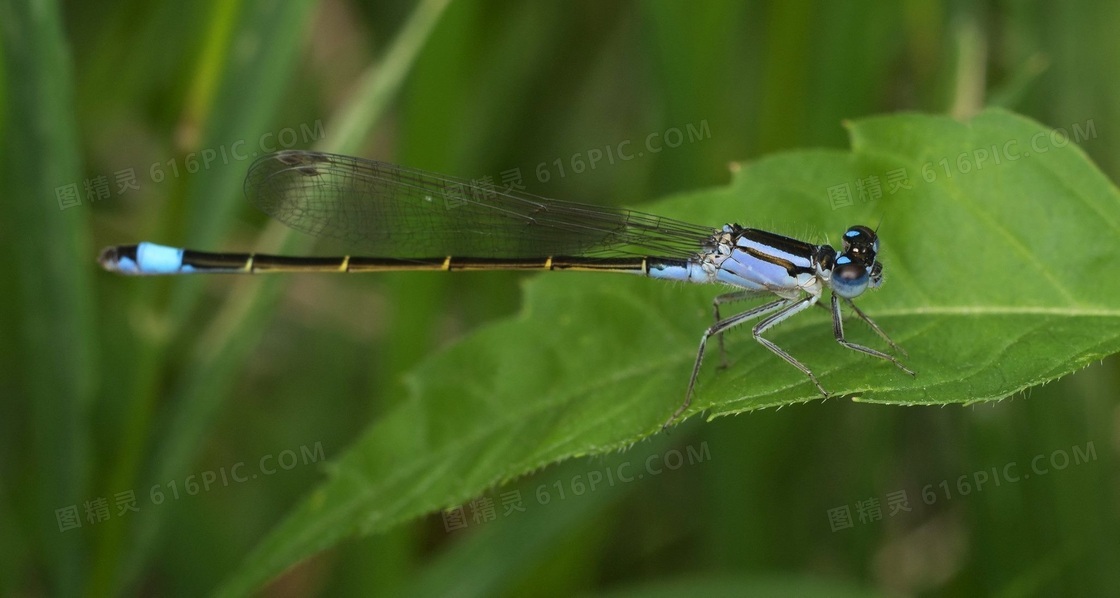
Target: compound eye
x=852, y=236
x=849, y=279
x=861, y=243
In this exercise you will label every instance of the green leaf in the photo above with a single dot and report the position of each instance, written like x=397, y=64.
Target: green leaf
x=997, y=279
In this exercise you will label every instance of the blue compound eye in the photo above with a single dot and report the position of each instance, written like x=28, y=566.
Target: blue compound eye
x=862, y=242
x=849, y=279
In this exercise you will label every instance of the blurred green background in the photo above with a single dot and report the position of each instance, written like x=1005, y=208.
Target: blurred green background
x=130, y=120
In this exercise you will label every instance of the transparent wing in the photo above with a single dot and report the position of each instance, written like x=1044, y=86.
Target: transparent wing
x=387, y=210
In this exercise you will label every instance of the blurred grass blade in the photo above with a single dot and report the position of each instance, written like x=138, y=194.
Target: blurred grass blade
x=234, y=331
x=381, y=83
x=770, y=585
x=237, y=98
x=241, y=106
x=48, y=248
x=991, y=287
x=493, y=555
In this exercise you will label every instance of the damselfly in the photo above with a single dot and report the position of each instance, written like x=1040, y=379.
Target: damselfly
x=408, y=219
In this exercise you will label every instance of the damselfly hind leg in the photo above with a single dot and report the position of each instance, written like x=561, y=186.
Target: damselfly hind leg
x=718, y=329
x=721, y=300
x=794, y=308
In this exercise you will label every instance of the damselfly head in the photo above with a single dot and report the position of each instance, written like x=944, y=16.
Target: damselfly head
x=855, y=268
x=861, y=243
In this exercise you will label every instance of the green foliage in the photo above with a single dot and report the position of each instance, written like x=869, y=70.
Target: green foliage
x=991, y=288
x=996, y=280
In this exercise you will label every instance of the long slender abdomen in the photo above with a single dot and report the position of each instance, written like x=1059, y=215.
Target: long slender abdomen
x=152, y=259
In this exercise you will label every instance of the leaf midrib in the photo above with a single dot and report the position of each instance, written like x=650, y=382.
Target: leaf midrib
x=1000, y=310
